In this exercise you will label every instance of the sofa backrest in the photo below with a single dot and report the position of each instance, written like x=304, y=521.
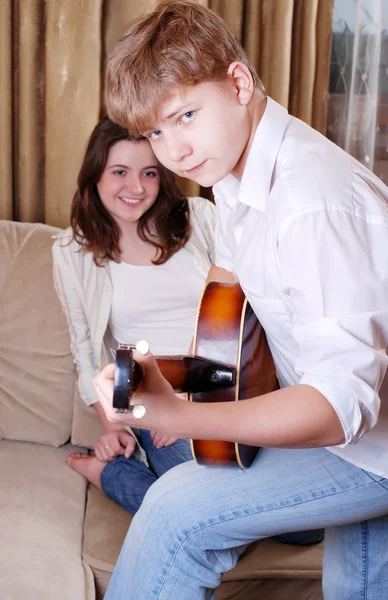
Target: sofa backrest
x=37, y=374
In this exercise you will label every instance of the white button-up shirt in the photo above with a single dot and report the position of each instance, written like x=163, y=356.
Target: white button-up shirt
x=305, y=233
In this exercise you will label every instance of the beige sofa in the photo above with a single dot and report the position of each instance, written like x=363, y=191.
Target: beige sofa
x=59, y=538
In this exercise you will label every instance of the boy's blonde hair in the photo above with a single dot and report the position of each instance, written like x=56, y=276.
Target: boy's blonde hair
x=178, y=44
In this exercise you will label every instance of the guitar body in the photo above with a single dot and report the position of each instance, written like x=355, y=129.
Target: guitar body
x=228, y=332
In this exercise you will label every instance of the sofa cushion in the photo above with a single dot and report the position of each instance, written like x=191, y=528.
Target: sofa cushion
x=36, y=367
x=86, y=429
x=42, y=505
x=270, y=589
x=106, y=525
x=270, y=559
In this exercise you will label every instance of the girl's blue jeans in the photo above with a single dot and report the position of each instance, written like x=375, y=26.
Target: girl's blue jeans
x=196, y=521
x=126, y=480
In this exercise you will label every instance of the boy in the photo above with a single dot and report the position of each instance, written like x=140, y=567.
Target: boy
x=304, y=229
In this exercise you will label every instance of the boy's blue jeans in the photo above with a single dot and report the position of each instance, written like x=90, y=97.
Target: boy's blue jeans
x=126, y=480
x=195, y=522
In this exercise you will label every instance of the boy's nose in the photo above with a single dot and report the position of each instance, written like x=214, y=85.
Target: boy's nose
x=177, y=150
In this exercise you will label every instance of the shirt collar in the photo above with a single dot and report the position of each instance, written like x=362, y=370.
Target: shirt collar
x=228, y=188
x=255, y=184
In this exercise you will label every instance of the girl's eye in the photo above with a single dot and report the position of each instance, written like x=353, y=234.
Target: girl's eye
x=187, y=116
x=150, y=173
x=119, y=172
x=155, y=134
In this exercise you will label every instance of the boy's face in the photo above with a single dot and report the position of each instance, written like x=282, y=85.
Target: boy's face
x=202, y=132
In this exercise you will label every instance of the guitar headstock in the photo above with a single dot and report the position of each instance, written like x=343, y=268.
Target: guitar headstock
x=128, y=375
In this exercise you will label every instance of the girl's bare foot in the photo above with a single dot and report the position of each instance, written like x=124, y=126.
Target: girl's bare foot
x=87, y=466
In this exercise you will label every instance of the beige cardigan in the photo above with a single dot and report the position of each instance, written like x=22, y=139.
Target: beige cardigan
x=85, y=293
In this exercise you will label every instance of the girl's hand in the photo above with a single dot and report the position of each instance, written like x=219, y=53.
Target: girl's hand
x=164, y=410
x=113, y=443
x=160, y=440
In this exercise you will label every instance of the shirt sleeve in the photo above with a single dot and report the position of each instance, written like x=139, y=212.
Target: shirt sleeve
x=68, y=291
x=334, y=271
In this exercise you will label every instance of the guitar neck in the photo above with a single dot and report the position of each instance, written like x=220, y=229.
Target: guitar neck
x=195, y=374
x=175, y=370
x=184, y=373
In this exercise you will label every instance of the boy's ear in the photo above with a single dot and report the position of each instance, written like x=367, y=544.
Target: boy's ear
x=242, y=81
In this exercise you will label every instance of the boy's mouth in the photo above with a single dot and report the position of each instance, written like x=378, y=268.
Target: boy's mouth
x=197, y=168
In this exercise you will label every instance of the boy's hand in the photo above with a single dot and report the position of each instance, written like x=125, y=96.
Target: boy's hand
x=160, y=440
x=163, y=408
x=113, y=444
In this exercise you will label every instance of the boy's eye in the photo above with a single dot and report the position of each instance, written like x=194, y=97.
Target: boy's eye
x=187, y=116
x=155, y=134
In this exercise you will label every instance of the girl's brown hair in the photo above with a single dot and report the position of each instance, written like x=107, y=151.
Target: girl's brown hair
x=165, y=225
x=178, y=44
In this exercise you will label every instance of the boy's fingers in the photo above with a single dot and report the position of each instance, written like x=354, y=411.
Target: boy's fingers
x=150, y=368
x=103, y=382
x=109, y=371
x=104, y=395
x=144, y=359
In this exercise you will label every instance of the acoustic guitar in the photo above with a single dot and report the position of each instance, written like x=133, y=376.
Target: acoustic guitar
x=231, y=362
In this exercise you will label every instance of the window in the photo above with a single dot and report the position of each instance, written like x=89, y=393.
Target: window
x=358, y=91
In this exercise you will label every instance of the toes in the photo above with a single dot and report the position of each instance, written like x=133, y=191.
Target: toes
x=74, y=456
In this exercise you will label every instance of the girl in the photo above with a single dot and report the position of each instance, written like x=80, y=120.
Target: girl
x=133, y=264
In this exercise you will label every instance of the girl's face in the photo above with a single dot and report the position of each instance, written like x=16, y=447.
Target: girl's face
x=130, y=181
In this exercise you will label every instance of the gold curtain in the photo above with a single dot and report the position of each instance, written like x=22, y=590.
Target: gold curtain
x=53, y=55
